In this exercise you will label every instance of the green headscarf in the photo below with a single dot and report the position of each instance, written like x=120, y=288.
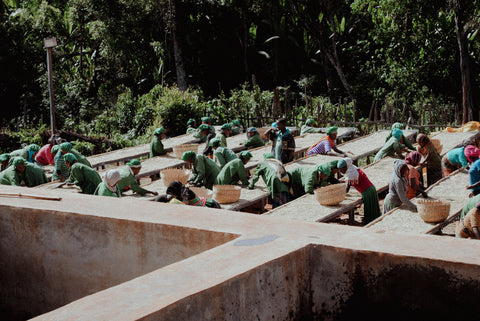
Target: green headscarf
x=159, y=131
x=33, y=148
x=203, y=127
x=227, y=126
x=188, y=154
x=341, y=163
x=69, y=157
x=325, y=169
x=397, y=125
x=215, y=142
x=332, y=130
x=246, y=154
x=55, y=149
x=18, y=161
x=4, y=157
x=134, y=163
x=190, y=121
x=66, y=147
x=309, y=121
x=206, y=120
x=235, y=122
x=333, y=164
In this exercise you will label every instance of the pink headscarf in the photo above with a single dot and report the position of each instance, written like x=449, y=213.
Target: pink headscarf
x=471, y=151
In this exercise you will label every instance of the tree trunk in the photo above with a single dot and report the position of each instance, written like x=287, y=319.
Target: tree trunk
x=177, y=51
x=245, y=42
x=335, y=62
x=467, y=100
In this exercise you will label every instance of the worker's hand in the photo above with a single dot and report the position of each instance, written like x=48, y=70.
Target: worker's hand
x=468, y=187
x=250, y=186
x=154, y=193
x=470, y=195
x=424, y=194
x=69, y=183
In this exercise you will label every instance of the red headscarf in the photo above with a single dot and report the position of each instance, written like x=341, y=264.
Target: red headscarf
x=471, y=151
x=413, y=158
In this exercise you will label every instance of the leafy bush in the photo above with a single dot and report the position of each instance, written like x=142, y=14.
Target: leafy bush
x=85, y=148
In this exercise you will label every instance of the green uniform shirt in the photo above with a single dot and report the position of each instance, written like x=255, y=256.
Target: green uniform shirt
x=304, y=180
x=128, y=181
x=403, y=140
x=237, y=130
x=60, y=166
x=102, y=190
x=34, y=175
x=233, y=172
x=205, y=171
x=223, y=139
x=308, y=129
x=266, y=170
x=80, y=158
x=20, y=153
x=156, y=147
x=198, y=134
x=10, y=176
x=391, y=146
x=85, y=177
x=223, y=155
x=254, y=142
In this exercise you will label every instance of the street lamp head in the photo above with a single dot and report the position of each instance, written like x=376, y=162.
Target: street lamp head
x=50, y=42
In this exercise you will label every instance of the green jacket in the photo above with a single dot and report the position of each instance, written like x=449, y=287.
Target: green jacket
x=232, y=172
x=60, y=166
x=304, y=180
x=85, y=177
x=34, y=175
x=308, y=129
x=156, y=147
x=19, y=153
x=204, y=171
x=403, y=140
x=128, y=181
x=223, y=155
x=10, y=176
x=198, y=134
x=254, y=142
x=80, y=158
x=223, y=139
x=391, y=146
x=237, y=130
x=267, y=170
x=102, y=190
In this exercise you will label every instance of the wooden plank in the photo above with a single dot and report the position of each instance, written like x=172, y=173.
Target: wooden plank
x=451, y=188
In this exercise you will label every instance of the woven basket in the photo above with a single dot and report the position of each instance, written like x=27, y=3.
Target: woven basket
x=433, y=211
x=226, y=194
x=180, y=149
x=174, y=174
x=438, y=146
x=201, y=192
x=331, y=194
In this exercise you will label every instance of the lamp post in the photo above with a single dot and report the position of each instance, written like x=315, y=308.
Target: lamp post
x=49, y=43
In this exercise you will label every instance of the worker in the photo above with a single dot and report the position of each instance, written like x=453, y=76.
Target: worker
x=13, y=175
x=191, y=126
x=167, y=198
x=431, y=158
x=283, y=143
x=474, y=178
x=392, y=146
x=308, y=127
x=156, y=146
x=331, y=179
x=471, y=203
x=108, y=185
x=237, y=127
x=397, y=188
x=204, y=171
x=4, y=160
x=44, y=156
x=34, y=175
x=327, y=144
x=182, y=194
x=128, y=181
x=468, y=226
x=412, y=160
x=208, y=133
x=403, y=140
x=28, y=153
x=305, y=180
x=275, y=177
x=61, y=171
x=253, y=139
x=355, y=177
x=221, y=155
x=82, y=175
x=458, y=158
x=234, y=170
x=225, y=132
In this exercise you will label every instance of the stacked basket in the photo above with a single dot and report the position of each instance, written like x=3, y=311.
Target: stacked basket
x=180, y=149
x=331, y=194
x=433, y=211
x=226, y=194
x=174, y=174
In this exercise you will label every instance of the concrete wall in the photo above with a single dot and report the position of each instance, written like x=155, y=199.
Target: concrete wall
x=50, y=258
